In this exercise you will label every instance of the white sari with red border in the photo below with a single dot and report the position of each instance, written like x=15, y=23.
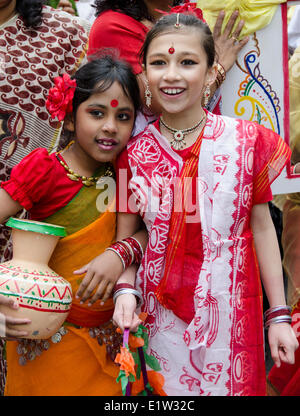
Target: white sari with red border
x=221, y=351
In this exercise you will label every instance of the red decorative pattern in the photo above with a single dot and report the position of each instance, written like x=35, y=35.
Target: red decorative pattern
x=29, y=62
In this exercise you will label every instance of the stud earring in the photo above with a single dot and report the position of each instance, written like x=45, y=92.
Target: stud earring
x=206, y=95
x=148, y=95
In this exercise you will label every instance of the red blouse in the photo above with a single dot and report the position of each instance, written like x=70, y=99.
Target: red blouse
x=117, y=31
x=40, y=184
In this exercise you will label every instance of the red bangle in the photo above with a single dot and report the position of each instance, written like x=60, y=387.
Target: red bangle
x=283, y=311
x=123, y=286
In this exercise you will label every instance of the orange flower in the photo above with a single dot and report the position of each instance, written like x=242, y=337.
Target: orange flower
x=143, y=316
x=156, y=380
x=126, y=361
x=135, y=342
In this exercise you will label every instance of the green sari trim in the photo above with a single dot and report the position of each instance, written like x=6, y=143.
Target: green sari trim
x=83, y=209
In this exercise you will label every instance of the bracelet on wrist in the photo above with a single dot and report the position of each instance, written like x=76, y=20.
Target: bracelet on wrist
x=221, y=75
x=293, y=169
x=119, y=286
x=124, y=291
x=128, y=250
x=118, y=254
x=278, y=320
x=277, y=314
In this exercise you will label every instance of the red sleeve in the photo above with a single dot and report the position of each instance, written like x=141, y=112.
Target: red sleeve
x=271, y=155
x=120, y=32
x=31, y=179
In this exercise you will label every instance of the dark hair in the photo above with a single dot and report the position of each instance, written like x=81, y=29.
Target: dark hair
x=30, y=11
x=98, y=75
x=167, y=24
x=136, y=9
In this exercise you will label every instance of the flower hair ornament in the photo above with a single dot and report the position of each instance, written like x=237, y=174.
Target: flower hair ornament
x=187, y=8
x=60, y=98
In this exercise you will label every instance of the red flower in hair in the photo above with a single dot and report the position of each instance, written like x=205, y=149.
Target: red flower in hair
x=187, y=8
x=60, y=97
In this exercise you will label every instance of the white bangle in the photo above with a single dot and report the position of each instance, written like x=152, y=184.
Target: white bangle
x=131, y=291
x=120, y=257
x=140, y=246
x=293, y=168
x=279, y=320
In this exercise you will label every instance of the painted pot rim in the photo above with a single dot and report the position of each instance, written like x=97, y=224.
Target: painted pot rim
x=36, y=226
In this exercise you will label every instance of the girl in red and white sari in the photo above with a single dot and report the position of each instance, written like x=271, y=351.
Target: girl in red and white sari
x=201, y=183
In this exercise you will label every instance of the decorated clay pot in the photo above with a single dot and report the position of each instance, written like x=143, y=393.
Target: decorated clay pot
x=43, y=296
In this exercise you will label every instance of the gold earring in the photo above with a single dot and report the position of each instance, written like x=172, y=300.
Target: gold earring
x=148, y=95
x=206, y=95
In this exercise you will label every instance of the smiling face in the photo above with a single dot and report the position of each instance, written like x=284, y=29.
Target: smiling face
x=103, y=125
x=177, y=71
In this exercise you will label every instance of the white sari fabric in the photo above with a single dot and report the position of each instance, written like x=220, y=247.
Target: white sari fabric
x=221, y=351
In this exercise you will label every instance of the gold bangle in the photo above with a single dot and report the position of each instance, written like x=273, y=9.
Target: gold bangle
x=221, y=71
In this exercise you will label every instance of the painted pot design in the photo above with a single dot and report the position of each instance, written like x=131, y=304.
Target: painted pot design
x=44, y=297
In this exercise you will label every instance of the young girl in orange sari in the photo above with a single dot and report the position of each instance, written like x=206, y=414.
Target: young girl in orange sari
x=65, y=188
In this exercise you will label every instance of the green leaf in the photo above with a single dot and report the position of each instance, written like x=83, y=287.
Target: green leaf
x=131, y=378
x=124, y=382
x=149, y=387
x=121, y=374
x=138, y=372
x=152, y=362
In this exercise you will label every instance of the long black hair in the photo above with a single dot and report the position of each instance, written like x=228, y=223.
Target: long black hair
x=136, y=9
x=99, y=74
x=30, y=11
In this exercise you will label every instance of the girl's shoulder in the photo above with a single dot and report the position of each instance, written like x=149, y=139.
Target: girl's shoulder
x=38, y=163
x=33, y=178
x=218, y=124
x=39, y=155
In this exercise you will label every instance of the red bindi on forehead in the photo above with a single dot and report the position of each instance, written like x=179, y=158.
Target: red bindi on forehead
x=114, y=103
x=171, y=50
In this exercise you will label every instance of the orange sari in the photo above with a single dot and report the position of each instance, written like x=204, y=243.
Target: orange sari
x=77, y=365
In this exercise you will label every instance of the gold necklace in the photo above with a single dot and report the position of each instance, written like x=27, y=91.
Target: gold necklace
x=86, y=181
x=178, y=142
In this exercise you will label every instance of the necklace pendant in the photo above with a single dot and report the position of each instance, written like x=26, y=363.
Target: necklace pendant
x=72, y=177
x=177, y=145
x=178, y=135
